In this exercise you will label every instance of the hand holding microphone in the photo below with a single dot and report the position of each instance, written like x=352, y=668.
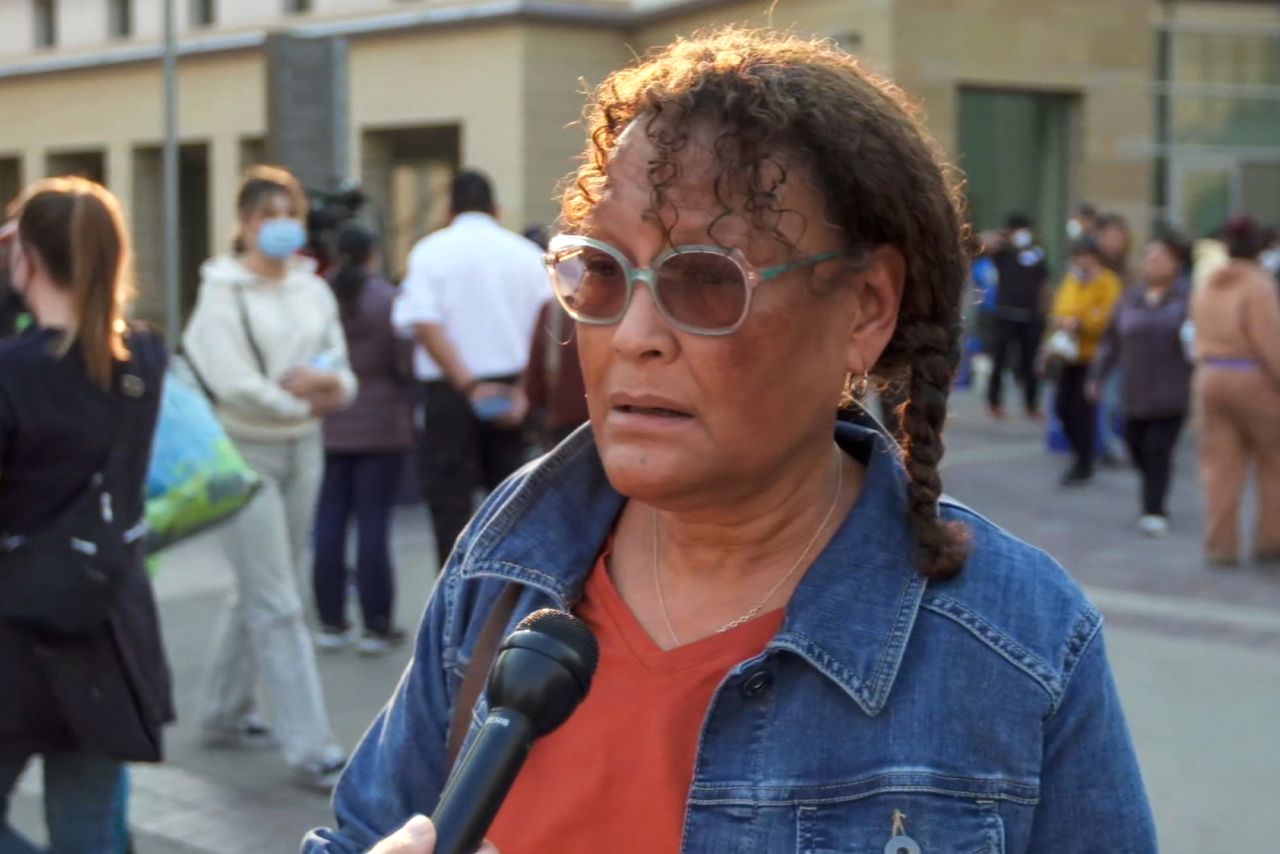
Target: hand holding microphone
x=543, y=670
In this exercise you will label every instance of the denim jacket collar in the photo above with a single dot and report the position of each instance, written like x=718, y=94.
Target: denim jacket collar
x=850, y=617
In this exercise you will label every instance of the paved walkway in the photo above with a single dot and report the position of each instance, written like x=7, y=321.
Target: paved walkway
x=1196, y=652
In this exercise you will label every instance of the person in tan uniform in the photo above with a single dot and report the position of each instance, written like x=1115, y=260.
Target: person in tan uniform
x=1236, y=394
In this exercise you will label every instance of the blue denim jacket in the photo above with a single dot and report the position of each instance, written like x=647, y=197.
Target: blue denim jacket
x=981, y=711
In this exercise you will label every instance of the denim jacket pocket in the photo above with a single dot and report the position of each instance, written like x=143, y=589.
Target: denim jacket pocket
x=930, y=816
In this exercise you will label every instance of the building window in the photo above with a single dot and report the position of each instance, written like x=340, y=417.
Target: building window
x=120, y=19
x=1217, y=110
x=46, y=18
x=204, y=13
x=297, y=7
x=1248, y=121
x=1226, y=59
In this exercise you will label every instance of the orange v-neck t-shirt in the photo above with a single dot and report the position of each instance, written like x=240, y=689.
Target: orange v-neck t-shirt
x=615, y=777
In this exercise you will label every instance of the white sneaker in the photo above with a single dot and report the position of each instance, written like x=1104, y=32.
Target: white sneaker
x=330, y=640
x=320, y=775
x=1153, y=526
x=380, y=643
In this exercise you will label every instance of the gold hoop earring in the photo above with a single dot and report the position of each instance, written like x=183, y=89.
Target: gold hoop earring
x=861, y=386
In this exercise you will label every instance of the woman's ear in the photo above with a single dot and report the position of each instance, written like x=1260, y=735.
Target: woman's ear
x=877, y=297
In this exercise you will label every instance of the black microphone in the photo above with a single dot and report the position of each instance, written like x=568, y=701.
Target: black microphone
x=540, y=675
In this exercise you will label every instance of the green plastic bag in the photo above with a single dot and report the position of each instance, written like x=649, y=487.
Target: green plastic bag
x=197, y=478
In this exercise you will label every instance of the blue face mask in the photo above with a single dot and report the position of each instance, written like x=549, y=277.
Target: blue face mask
x=280, y=238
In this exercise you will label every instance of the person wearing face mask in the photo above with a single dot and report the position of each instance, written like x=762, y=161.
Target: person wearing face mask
x=1022, y=276
x=1144, y=343
x=266, y=342
x=1083, y=222
x=1082, y=309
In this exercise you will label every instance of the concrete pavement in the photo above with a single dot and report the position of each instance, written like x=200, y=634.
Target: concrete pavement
x=1196, y=653
x=1196, y=650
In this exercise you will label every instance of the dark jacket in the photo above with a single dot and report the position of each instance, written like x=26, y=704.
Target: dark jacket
x=1022, y=276
x=557, y=393
x=110, y=691
x=380, y=419
x=1144, y=341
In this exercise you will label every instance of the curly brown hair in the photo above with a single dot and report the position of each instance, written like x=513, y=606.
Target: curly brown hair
x=770, y=99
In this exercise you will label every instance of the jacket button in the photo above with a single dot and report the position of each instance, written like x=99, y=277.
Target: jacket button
x=757, y=684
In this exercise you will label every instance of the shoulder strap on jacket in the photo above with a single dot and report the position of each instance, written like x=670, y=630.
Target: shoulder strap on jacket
x=248, y=332
x=486, y=649
x=194, y=370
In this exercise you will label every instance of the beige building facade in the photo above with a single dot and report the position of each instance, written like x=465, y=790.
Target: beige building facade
x=1044, y=102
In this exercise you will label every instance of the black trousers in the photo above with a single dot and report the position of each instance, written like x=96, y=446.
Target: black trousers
x=1079, y=417
x=1151, y=443
x=461, y=454
x=1024, y=335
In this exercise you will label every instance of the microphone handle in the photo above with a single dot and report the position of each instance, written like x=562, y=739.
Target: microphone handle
x=474, y=794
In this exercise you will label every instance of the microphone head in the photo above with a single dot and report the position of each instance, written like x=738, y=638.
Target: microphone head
x=544, y=668
x=573, y=633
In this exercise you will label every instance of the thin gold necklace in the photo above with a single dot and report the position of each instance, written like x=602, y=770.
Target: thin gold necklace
x=754, y=612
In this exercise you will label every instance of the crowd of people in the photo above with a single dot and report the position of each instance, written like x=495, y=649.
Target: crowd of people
x=316, y=380
x=1141, y=346
x=710, y=393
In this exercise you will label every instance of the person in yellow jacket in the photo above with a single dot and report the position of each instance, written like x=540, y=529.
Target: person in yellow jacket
x=1082, y=307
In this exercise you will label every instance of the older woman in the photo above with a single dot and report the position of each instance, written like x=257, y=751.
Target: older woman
x=803, y=647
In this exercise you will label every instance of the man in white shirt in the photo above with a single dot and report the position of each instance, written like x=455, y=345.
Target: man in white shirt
x=471, y=296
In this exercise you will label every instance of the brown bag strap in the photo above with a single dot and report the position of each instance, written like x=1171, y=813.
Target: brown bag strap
x=477, y=673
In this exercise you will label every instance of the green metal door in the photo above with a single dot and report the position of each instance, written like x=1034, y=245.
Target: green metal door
x=1015, y=150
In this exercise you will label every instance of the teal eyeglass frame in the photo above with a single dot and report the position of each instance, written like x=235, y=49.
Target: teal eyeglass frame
x=752, y=277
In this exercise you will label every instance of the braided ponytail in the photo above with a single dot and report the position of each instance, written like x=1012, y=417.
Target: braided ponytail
x=941, y=547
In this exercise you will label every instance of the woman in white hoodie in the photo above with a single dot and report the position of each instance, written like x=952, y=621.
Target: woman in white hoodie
x=266, y=341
